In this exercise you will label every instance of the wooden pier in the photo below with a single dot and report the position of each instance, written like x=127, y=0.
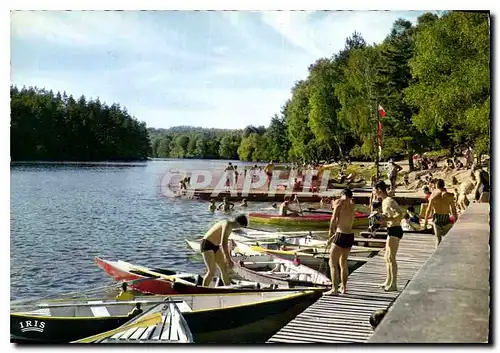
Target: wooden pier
x=345, y=318
x=360, y=196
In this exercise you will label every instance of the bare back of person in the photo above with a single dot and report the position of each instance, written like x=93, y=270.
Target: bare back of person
x=441, y=205
x=215, y=251
x=342, y=239
x=345, y=215
x=442, y=202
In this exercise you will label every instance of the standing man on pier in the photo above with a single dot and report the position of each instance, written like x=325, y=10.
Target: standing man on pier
x=394, y=169
x=393, y=215
x=441, y=205
x=343, y=240
x=269, y=173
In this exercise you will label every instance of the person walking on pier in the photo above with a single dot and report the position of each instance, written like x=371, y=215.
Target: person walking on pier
x=441, y=205
x=215, y=249
x=394, y=169
x=391, y=212
x=343, y=240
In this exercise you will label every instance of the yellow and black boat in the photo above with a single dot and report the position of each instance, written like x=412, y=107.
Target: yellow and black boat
x=212, y=318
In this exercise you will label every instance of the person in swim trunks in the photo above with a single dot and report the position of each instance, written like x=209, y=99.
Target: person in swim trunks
x=441, y=204
x=342, y=237
x=215, y=248
x=269, y=173
x=391, y=212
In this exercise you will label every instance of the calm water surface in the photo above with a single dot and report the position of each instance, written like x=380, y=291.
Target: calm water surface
x=62, y=215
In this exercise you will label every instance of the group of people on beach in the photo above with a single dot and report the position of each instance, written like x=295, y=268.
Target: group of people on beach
x=232, y=174
x=438, y=203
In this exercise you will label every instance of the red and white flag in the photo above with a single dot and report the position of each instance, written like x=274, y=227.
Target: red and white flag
x=381, y=110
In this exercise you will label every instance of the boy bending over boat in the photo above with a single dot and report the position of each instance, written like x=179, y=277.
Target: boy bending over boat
x=215, y=248
x=343, y=240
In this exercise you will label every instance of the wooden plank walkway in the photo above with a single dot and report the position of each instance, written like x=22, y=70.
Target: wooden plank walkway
x=345, y=318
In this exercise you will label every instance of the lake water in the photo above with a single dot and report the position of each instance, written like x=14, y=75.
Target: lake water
x=62, y=215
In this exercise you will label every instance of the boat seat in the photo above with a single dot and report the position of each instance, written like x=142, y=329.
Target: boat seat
x=183, y=307
x=99, y=311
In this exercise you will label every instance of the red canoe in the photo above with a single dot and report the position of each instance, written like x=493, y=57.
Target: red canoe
x=160, y=284
x=171, y=282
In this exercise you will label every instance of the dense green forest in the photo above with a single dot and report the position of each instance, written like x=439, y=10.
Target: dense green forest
x=54, y=127
x=432, y=79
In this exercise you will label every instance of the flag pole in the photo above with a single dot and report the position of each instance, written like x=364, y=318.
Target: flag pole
x=377, y=152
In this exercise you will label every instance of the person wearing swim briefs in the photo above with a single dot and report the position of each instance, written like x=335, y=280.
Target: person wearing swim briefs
x=269, y=173
x=215, y=248
x=342, y=237
x=391, y=212
x=441, y=205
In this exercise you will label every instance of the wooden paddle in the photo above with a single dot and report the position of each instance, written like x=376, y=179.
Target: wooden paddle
x=135, y=281
x=263, y=231
x=313, y=210
x=146, y=321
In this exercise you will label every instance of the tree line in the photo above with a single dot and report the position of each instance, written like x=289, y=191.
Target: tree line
x=432, y=79
x=55, y=127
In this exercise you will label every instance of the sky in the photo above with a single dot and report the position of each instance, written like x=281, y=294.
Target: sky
x=222, y=69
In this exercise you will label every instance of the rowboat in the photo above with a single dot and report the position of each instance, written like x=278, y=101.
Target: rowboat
x=160, y=282
x=163, y=323
x=195, y=246
x=346, y=185
x=65, y=321
x=215, y=318
x=316, y=220
x=270, y=269
x=315, y=258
